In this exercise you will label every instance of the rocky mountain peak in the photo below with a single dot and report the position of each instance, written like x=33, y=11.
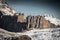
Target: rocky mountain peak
x=2, y=2
x=5, y=9
x=53, y=20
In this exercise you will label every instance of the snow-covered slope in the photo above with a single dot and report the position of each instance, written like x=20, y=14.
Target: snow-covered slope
x=43, y=34
x=38, y=34
x=53, y=20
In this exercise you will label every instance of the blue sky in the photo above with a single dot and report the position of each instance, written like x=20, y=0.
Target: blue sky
x=35, y=8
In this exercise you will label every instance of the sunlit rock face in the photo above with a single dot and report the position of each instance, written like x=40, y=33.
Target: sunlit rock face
x=37, y=22
x=42, y=22
x=5, y=9
x=45, y=23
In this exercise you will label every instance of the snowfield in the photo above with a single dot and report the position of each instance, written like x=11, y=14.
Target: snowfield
x=43, y=34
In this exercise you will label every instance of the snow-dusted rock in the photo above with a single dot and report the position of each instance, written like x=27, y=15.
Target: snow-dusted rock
x=53, y=20
x=5, y=9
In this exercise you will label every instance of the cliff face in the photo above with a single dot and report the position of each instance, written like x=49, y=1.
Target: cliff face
x=11, y=23
x=45, y=23
x=42, y=22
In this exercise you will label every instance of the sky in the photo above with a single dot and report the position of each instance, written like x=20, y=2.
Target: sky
x=36, y=7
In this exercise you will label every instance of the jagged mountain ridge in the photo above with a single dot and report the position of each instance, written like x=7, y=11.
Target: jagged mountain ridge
x=43, y=22
x=53, y=20
x=5, y=9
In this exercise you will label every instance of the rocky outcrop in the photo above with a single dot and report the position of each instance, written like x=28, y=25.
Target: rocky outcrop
x=5, y=9
x=42, y=22
x=23, y=37
x=6, y=35
x=9, y=20
x=11, y=23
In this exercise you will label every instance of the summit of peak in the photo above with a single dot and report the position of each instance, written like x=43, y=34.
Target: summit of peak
x=5, y=8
